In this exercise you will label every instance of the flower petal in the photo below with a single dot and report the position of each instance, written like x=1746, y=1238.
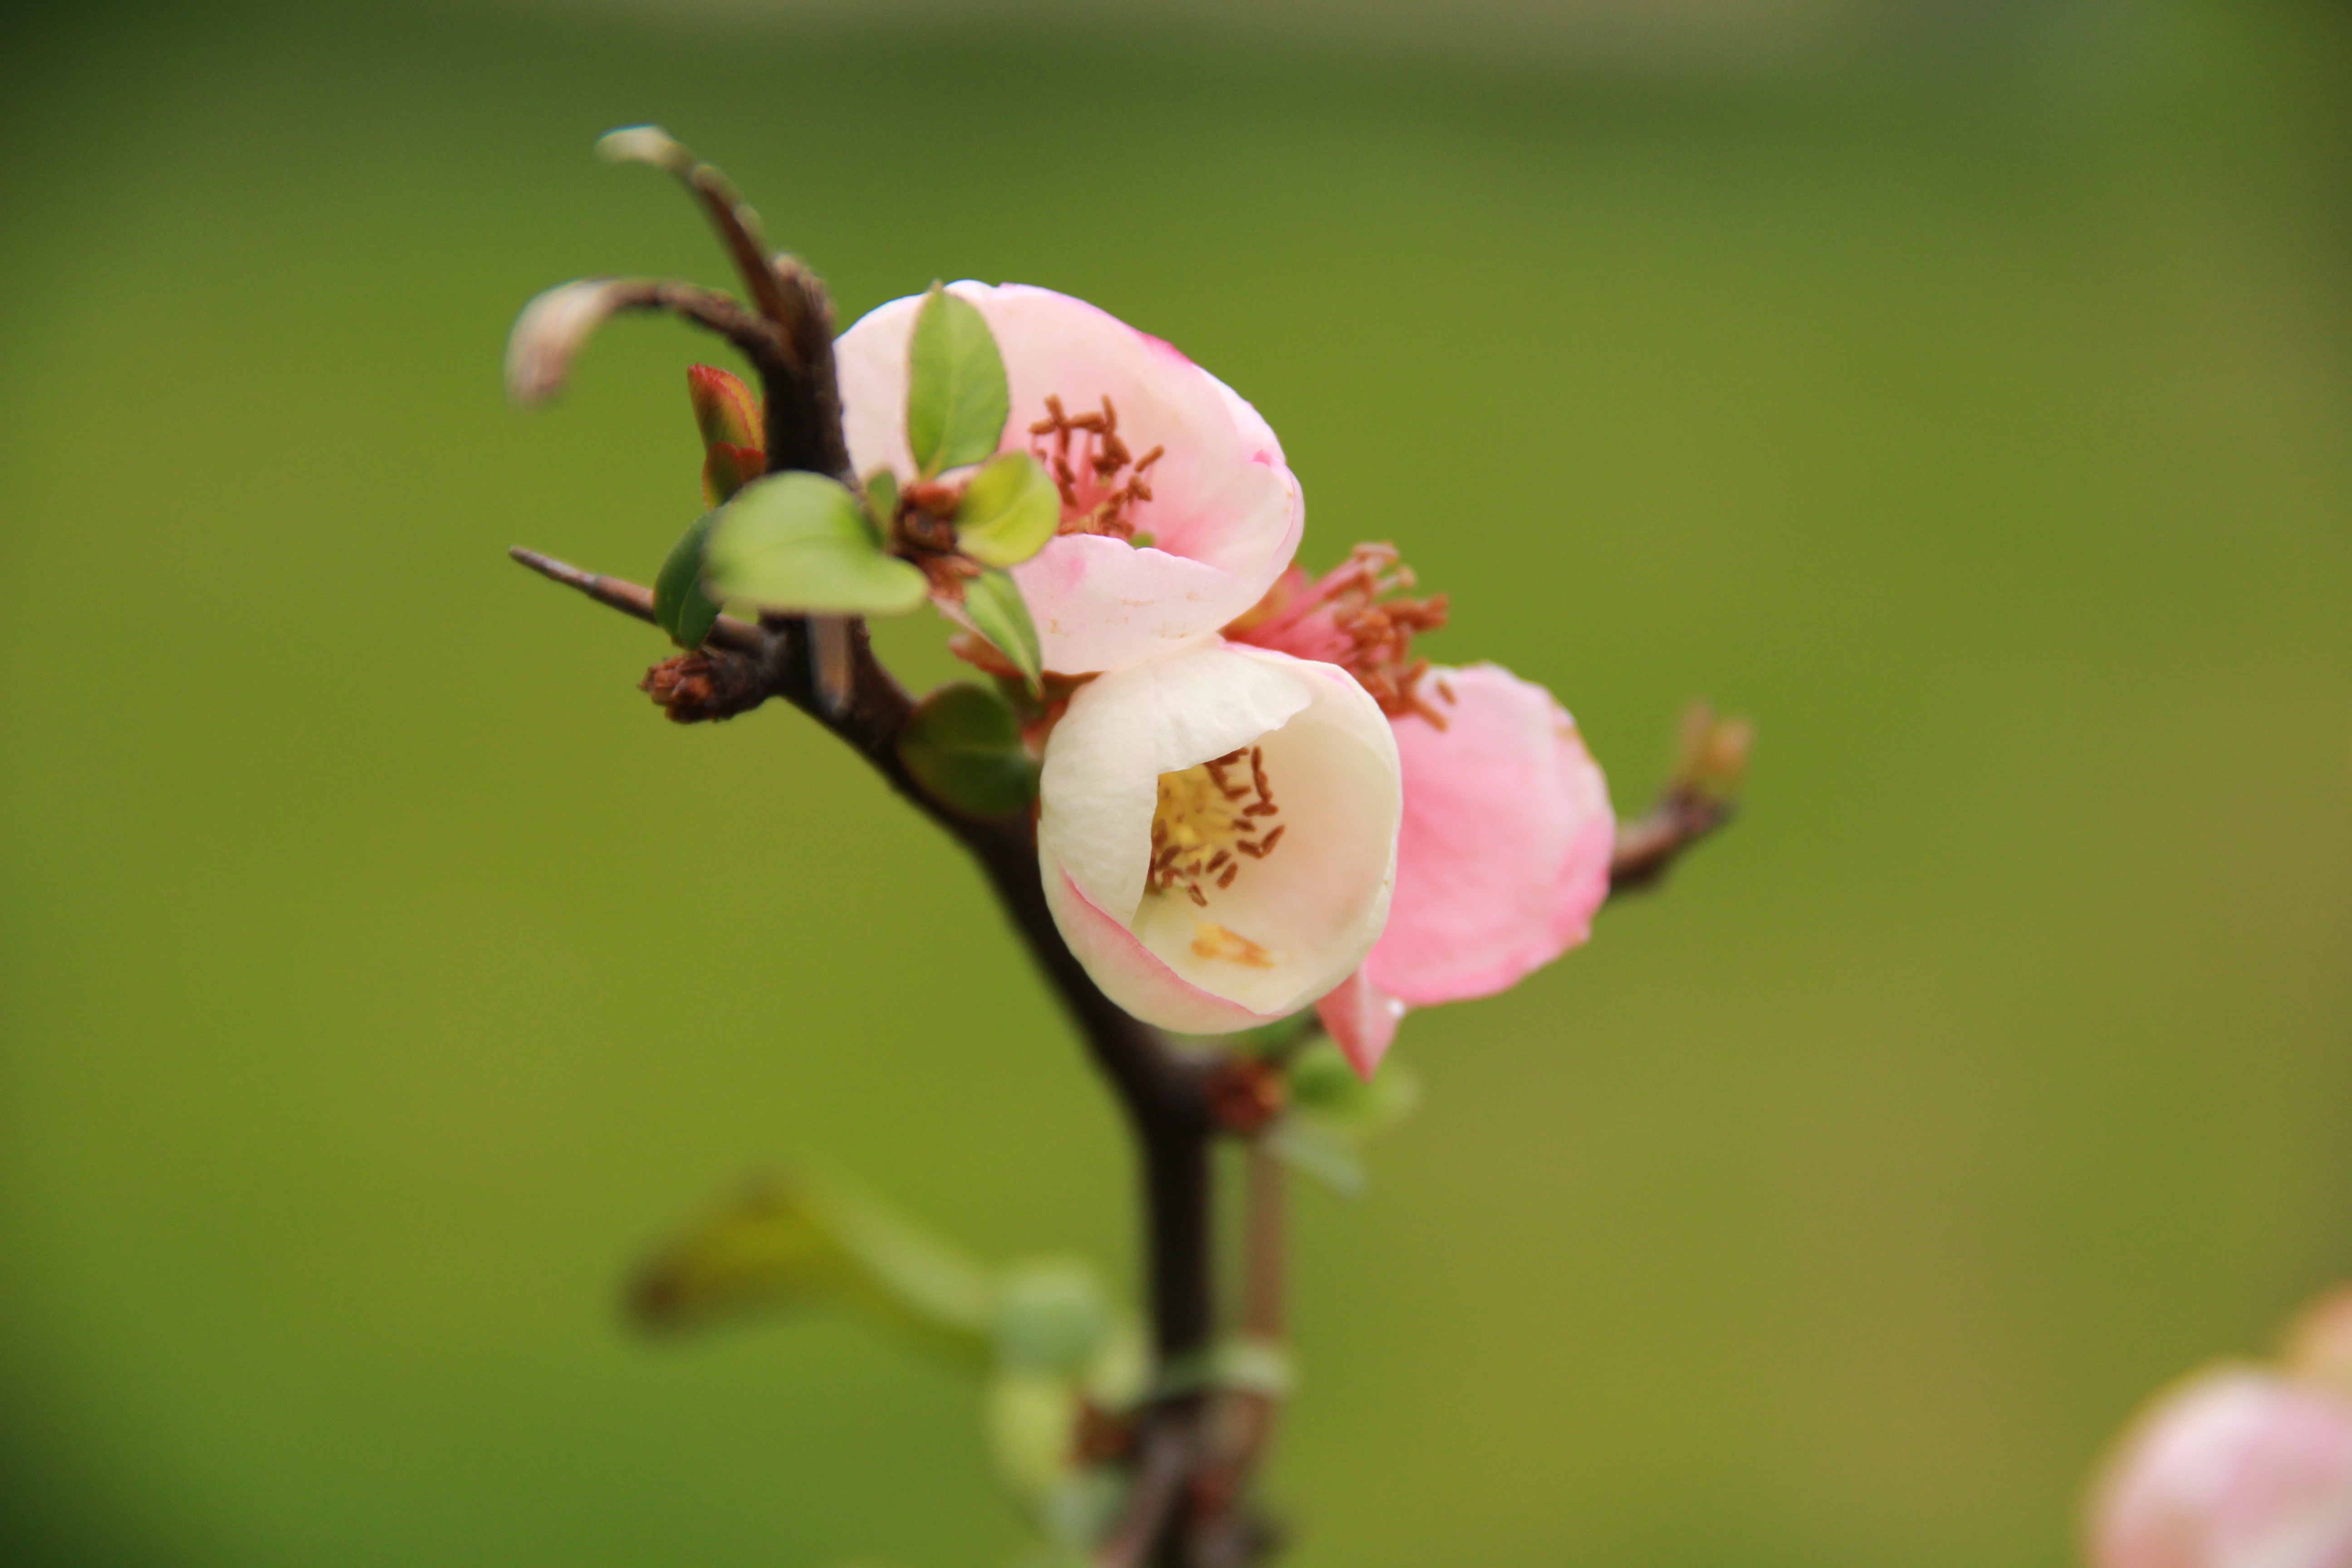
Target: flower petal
x=1302, y=918
x=1224, y=513
x=1504, y=855
x=1361, y=1021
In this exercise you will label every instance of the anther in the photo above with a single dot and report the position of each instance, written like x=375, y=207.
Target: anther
x=1271, y=839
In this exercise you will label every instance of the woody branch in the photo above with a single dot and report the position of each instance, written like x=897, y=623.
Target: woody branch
x=1185, y=1506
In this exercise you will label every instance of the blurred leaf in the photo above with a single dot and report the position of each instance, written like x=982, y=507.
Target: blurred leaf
x=1315, y=1149
x=992, y=601
x=1078, y=1510
x=1257, y=1366
x=1051, y=1316
x=963, y=746
x=957, y=397
x=1009, y=510
x=799, y=542
x=680, y=606
x=801, y=1240
x=1030, y=1421
x=881, y=502
x=1322, y=1085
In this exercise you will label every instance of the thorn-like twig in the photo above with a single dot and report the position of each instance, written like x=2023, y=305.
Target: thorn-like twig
x=632, y=600
x=730, y=215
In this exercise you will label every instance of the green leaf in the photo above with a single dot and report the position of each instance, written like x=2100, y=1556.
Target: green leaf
x=801, y=1241
x=799, y=542
x=963, y=746
x=1051, y=1317
x=992, y=601
x=1030, y=1419
x=680, y=606
x=1009, y=512
x=957, y=397
x=881, y=502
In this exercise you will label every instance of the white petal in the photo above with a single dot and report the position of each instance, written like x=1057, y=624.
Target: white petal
x=1101, y=778
x=1303, y=915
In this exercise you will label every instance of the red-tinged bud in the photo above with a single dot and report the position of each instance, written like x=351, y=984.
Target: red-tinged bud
x=727, y=468
x=733, y=440
x=724, y=407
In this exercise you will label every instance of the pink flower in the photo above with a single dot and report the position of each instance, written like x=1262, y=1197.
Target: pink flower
x=1504, y=853
x=1177, y=512
x=1217, y=832
x=2234, y=1468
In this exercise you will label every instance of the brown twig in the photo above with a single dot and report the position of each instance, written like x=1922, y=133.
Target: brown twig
x=1652, y=842
x=1700, y=797
x=630, y=599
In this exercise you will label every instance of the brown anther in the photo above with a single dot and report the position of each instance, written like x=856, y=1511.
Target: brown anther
x=1250, y=848
x=1193, y=891
x=1260, y=808
x=1149, y=459
x=1245, y=1094
x=1227, y=880
x=1257, y=772
x=1272, y=839
x=1219, y=859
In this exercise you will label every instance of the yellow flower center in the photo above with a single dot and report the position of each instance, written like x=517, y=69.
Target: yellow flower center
x=1210, y=819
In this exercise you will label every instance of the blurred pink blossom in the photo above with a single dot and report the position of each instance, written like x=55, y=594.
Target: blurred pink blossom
x=2235, y=1467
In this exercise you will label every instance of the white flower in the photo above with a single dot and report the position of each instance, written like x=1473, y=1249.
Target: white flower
x=1217, y=832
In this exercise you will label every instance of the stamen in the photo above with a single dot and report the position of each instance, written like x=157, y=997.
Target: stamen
x=1094, y=500
x=1201, y=824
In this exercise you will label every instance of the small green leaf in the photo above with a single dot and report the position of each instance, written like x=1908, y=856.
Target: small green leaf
x=1051, y=1317
x=957, y=397
x=680, y=606
x=1009, y=512
x=881, y=502
x=1324, y=1086
x=963, y=746
x=1257, y=1366
x=993, y=602
x=1030, y=1419
x=799, y=542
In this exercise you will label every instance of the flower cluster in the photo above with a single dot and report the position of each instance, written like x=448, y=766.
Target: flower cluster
x=1254, y=798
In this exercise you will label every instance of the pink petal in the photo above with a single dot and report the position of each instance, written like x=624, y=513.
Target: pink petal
x=1362, y=1022
x=2233, y=1469
x=1504, y=854
x=1132, y=976
x=1224, y=514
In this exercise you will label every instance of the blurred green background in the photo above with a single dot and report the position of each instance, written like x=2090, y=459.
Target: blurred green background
x=1961, y=391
